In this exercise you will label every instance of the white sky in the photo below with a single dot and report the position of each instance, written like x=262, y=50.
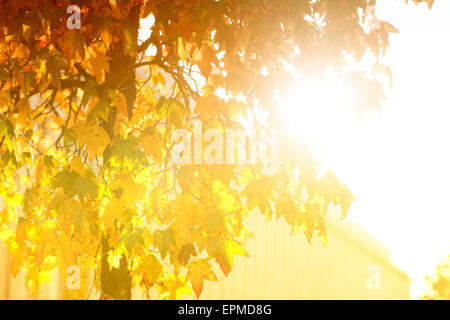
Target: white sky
x=397, y=162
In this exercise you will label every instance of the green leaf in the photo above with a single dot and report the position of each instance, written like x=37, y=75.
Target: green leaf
x=163, y=239
x=186, y=252
x=82, y=187
x=73, y=184
x=132, y=237
x=7, y=132
x=100, y=109
x=150, y=267
x=89, y=91
x=176, y=112
x=54, y=66
x=126, y=152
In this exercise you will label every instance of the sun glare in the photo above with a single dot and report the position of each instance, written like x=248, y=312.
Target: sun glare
x=317, y=111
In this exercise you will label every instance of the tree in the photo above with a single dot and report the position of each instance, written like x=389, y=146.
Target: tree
x=88, y=111
x=439, y=283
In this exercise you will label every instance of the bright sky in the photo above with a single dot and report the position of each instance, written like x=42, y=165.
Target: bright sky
x=397, y=162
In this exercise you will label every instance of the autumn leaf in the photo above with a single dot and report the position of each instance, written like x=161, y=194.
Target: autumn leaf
x=77, y=165
x=74, y=185
x=72, y=42
x=97, y=63
x=89, y=91
x=207, y=106
x=200, y=270
x=163, y=239
x=150, y=268
x=7, y=133
x=176, y=112
x=93, y=137
x=153, y=145
x=204, y=58
x=224, y=251
x=20, y=51
x=131, y=190
x=186, y=252
x=121, y=103
x=21, y=230
x=174, y=288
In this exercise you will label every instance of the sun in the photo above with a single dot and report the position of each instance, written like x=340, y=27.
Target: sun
x=317, y=111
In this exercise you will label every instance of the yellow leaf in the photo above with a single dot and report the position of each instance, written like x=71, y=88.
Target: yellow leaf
x=198, y=271
x=181, y=51
x=132, y=191
x=224, y=252
x=20, y=51
x=153, y=145
x=24, y=112
x=21, y=231
x=97, y=63
x=5, y=98
x=94, y=137
x=151, y=269
x=112, y=212
x=174, y=288
x=77, y=165
x=207, y=106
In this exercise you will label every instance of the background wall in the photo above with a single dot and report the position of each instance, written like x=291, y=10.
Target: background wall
x=353, y=265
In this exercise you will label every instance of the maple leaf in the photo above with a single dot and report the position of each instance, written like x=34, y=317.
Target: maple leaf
x=7, y=133
x=224, y=251
x=150, y=268
x=153, y=145
x=77, y=165
x=97, y=109
x=21, y=230
x=94, y=137
x=163, y=239
x=200, y=270
x=73, y=184
x=132, y=191
x=186, y=252
x=207, y=106
x=132, y=237
x=121, y=103
x=176, y=112
x=21, y=51
x=174, y=288
x=72, y=42
x=258, y=193
x=97, y=63
x=204, y=58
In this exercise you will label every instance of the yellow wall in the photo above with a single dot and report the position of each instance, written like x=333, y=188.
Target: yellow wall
x=287, y=267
